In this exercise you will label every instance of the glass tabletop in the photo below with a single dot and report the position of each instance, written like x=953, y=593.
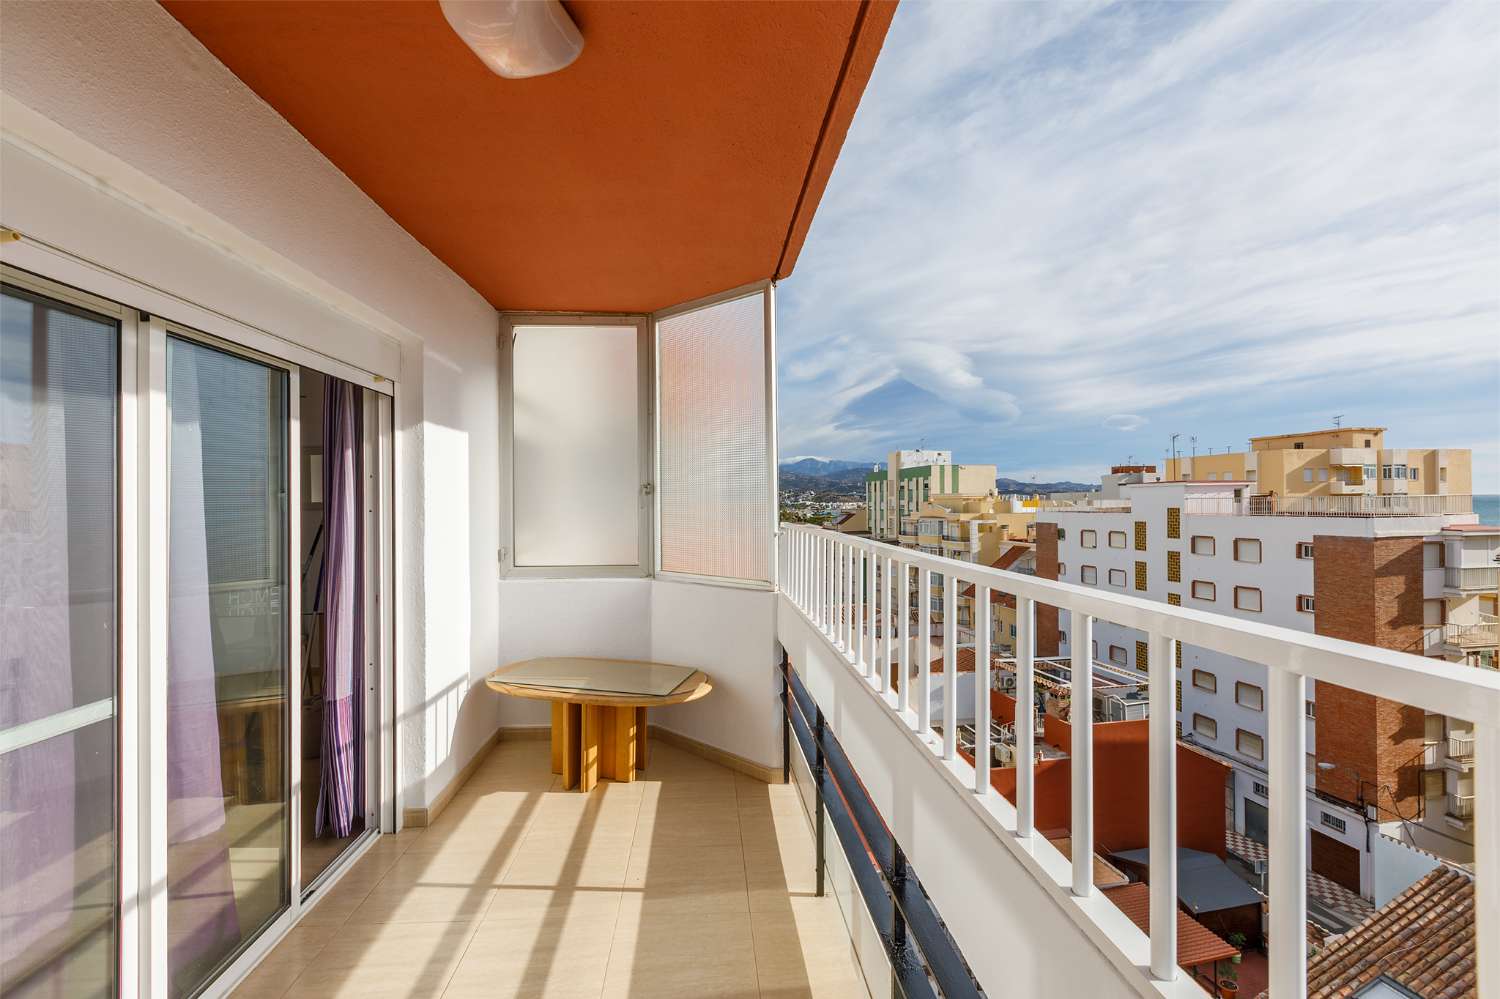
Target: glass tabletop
x=605, y=676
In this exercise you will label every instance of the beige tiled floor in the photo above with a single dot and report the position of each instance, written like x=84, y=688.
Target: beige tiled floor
x=694, y=881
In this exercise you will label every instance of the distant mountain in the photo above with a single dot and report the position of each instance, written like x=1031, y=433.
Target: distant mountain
x=809, y=465
x=834, y=475
x=1017, y=486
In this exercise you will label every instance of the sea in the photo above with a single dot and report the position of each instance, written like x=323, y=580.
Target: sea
x=1488, y=508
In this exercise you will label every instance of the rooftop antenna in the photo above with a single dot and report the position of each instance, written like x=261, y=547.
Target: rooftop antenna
x=1175, y=466
x=1338, y=420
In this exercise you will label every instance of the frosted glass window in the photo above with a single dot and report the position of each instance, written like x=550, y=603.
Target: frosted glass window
x=715, y=469
x=576, y=461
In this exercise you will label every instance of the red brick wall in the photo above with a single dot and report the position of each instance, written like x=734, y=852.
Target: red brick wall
x=1369, y=590
x=1048, y=631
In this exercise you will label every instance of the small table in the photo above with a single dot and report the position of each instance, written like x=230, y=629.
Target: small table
x=599, y=709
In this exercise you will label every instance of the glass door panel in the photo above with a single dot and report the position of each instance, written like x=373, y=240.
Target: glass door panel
x=59, y=391
x=228, y=827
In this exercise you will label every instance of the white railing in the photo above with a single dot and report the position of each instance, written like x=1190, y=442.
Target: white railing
x=1399, y=505
x=1461, y=806
x=1480, y=635
x=844, y=585
x=1461, y=747
x=1479, y=577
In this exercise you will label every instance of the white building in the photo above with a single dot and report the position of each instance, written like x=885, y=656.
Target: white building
x=1209, y=547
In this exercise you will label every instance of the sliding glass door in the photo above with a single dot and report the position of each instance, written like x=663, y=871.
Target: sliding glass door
x=167, y=688
x=228, y=682
x=59, y=661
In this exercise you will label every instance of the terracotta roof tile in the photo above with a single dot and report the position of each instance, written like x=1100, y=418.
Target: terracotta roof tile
x=1196, y=943
x=1423, y=939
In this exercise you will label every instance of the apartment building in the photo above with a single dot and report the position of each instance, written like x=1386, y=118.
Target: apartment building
x=1365, y=575
x=1342, y=461
x=910, y=478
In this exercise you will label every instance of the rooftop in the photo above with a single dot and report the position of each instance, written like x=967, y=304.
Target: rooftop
x=1423, y=938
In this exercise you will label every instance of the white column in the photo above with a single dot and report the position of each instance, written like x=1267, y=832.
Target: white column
x=1025, y=716
x=857, y=607
x=1286, y=740
x=1081, y=717
x=1487, y=854
x=923, y=658
x=981, y=689
x=950, y=665
x=1163, y=804
x=887, y=599
x=872, y=606
x=904, y=596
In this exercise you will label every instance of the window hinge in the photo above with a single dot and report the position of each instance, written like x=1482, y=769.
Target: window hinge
x=502, y=554
x=648, y=488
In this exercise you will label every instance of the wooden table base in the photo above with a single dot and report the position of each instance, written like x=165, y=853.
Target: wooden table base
x=594, y=741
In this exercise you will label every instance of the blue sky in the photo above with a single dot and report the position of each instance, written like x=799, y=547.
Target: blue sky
x=1057, y=234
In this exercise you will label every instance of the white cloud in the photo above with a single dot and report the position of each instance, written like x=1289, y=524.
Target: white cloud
x=1047, y=218
x=1124, y=421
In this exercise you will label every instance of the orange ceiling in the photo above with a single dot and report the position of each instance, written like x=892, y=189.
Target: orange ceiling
x=682, y=154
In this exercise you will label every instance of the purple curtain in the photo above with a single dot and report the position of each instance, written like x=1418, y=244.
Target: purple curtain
x=341, y=796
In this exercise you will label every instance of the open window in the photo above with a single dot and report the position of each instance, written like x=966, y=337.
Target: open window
x=716, y=438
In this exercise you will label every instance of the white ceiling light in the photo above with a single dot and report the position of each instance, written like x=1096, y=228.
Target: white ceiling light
x=516, y=38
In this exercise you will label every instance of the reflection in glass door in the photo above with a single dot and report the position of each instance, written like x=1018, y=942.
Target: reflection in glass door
x=228, y=823
x=59, y=384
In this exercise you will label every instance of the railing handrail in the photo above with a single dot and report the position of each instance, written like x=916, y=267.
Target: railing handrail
x=1434, y=685
x=1332, y=505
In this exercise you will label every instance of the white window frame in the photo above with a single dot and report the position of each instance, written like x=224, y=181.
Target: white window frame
x=1089, y=575
x=645, y=402
x=1124, y=579
x=1304, y=549
x=1305, y=603
x=1121, y=535
x=1088, y=539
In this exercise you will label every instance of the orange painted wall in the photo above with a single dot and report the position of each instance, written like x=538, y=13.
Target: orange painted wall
x=1121, y=782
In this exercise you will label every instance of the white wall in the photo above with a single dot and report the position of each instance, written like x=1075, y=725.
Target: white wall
x=127, y=143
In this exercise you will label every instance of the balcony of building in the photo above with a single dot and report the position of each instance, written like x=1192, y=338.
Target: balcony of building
x=306, y=187
x=1366, y=505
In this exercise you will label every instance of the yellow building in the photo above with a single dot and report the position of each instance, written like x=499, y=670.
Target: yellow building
x=970, y=528
x=1342, y=461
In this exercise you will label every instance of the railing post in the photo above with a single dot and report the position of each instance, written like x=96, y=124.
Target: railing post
x=903, y=695
x=924, y=642
x=818, y=768
x=846, y=605
x=786, y=721
x=950, y=665
x=888, y=625
x=1162, y=739
x=1081, y=716
x=872, y=602
x=857, y=606
x=981, y=689
x=1287, y=759
x=1025, y=716
x=1487, y=853
x=897, y=877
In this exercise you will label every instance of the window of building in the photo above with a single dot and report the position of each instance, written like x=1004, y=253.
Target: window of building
x=1247, y=598
x=1088, y=574
x=1094, y=648
x=1333, y=822
x=1400, y=471
x=1305, y=603
x=1117, y=655
x=1117, y=539
x=1174, y=521
x=1088, y=539
x=1117, y=578
x=1369, y=472
x=1062, y=534
x=1247, y=549
x=1205, y=726
x=1322, y=475
x=1062, y=570
x=1304, y=549
x=1307, y=475
x=1140, y=535
x=1203, y=590
x=1249, y=744
x=1213, y=476
x=1312, y=709
x=1385, y=471
x=1367, y=442
x=1140, y=575
x=1411, y=472
x=1248, y=695
x=1204, y=680
x=1259, y=789
x=1174, y=567
x=1297, y=446
x=1202, y=544
x=1443, y=474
